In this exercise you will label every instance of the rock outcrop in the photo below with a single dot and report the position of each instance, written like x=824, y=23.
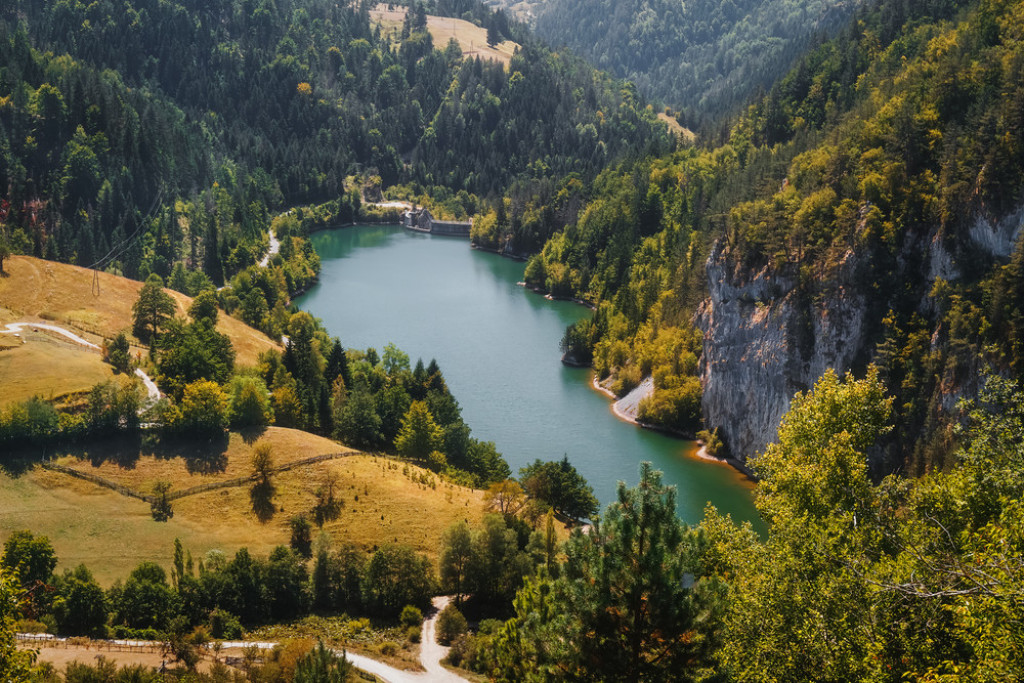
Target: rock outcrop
x=765, y=338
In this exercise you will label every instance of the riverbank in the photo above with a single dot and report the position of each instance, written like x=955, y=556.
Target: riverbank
x=627, y=409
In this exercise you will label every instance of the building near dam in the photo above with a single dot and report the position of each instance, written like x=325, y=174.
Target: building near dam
x=421, y=220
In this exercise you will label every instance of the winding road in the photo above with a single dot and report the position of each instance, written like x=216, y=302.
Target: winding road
x=431, y=653
x=152, y=392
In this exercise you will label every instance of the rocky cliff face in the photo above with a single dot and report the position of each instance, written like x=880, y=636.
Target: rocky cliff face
x=766, y=338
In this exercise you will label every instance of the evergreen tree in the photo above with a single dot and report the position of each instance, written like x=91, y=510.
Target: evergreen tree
x=625, y=608
x=419, y=436
x=152, y=309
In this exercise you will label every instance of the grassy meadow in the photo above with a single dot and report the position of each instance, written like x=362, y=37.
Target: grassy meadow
x=384, y=501
x=67, y=296
x=470, y=37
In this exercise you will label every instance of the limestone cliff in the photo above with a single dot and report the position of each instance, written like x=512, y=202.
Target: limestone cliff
x=765, y=339
x=767, y=336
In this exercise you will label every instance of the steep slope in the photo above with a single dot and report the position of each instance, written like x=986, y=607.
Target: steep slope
x=68, y=295
x=867, y=210
x=704, y=57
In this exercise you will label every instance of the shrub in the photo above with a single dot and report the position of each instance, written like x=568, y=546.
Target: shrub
x=450, y=625
x=413, y=634
x=411, y=616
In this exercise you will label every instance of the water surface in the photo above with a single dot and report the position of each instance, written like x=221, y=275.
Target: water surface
x=497, y=345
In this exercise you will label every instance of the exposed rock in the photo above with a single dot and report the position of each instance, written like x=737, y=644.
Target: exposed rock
x=765, y=338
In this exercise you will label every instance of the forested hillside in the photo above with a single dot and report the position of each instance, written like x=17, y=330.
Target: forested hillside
x=705, y=58
x=193, y=122
x=866, y=210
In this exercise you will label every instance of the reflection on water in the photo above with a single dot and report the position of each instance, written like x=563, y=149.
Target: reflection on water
x=498, y=347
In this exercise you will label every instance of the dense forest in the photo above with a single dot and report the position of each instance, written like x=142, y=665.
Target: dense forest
x=859, y=219
x=703, y=58
x=872, y=167
x=112, y=116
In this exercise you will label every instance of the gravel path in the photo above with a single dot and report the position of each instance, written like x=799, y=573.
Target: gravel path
x=275, y=246
x=152, y=392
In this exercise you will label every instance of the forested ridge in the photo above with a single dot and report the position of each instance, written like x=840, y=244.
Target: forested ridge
x=114, y=112
x=705, y=58
x=894, y=147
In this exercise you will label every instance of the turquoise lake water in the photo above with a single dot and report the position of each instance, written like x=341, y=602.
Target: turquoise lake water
x=497, y=344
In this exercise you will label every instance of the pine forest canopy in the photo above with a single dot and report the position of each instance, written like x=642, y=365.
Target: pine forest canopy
x=116, y=117
x=704, y=57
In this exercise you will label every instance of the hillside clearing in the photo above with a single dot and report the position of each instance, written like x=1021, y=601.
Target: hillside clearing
x=470, y=37
x=65, y=294
x=47, y=365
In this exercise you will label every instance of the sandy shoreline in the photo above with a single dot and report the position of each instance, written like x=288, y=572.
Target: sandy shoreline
x=626, y=408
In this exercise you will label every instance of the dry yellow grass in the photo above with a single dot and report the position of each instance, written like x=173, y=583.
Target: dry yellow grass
x=192, y=464
x=384, y=501
x=676, y=128
x=471, y=38
x=47, y=365
x=64, y=294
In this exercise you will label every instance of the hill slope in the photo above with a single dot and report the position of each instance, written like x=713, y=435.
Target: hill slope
x=383, y=501
x=866, y=210
x=67, y=295
x=705, y=57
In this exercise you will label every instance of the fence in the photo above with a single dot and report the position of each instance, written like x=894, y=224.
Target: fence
x=47, y=640
x=191, y=491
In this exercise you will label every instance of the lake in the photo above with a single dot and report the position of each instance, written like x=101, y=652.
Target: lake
x=497, y=344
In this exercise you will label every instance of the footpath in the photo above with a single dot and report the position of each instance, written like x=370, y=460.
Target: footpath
x=431, y=652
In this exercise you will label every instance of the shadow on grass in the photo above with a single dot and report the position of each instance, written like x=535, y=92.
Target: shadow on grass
x=201, y=456
x=262, y=497
x=251, y=435
x=121, y=449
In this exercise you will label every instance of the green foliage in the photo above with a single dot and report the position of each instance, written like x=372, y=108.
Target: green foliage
x=321, y=665
x=152, y=309
x=450, y=624
x=419, y=435
x=411, y=616
x=204, y=307
x=301, y=535
x=160, y=507
x=14, y=662
x=249, y=402
x=118, y=353
x=202, y=412
x=31, y=559
x=396, y=577
x=145, y=600
x=558, y=484
x=456, y=559
x=630, y=604
x=80, y=605
x=193, y=352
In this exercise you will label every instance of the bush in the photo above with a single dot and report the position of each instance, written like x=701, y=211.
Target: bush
x=413, y=634
x=224, y=625
x=411, y=616
x=389, y=648
x=450, y=625
x=713, y=445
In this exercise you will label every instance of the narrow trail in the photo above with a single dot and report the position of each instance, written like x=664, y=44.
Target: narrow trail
x=152, y=392
x=431, y=653
x=275, y=247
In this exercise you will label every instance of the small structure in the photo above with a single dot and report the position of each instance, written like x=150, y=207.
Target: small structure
x=420, y=220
